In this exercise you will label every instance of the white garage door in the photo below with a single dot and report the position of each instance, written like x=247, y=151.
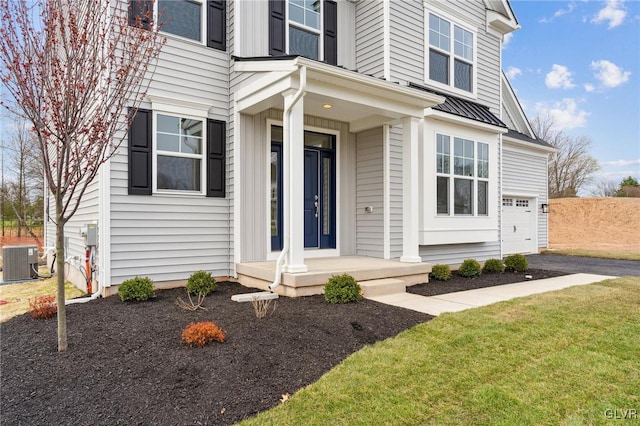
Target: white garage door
x=518, y=225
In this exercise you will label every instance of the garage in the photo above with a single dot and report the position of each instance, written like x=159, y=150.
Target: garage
x=518, y=225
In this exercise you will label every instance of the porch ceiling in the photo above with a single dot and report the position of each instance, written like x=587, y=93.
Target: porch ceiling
x=361, y=101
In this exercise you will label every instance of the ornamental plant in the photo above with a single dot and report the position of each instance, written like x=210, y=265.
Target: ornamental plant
x=516, y=263
x=43, y=307
x=201, y=283
x=470, y=268
x=342, y=289
x=137, y=288
x=493, y=266
x=202, y=333
x=441, y=272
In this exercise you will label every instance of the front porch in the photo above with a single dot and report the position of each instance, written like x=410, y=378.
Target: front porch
x=364, y=269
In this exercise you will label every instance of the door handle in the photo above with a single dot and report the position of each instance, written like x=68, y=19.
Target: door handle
x=315, y=203
x=515, y=229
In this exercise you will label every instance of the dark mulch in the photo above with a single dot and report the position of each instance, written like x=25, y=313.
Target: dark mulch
x=127, y=365
x=458, y=283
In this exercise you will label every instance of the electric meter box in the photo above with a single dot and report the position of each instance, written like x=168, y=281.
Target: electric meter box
x=90, y=234
x=20, y=263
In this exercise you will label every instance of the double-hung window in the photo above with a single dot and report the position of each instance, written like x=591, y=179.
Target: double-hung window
x=462, y=177
x=304, y=28
x=179, y=153
x=202, y=21
x=451, y=56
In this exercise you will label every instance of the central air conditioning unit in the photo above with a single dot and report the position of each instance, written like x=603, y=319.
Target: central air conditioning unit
x=20, y=263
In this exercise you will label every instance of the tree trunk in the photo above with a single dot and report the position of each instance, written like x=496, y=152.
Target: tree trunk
x=60, y=261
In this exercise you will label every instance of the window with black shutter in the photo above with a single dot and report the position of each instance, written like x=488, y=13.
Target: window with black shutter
x=140, y=151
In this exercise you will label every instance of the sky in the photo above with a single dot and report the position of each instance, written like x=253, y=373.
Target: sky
x=579, y=61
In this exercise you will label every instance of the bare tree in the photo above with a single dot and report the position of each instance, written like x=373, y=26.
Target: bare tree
x=605, y=188
x=76, y=70
x=570, y=167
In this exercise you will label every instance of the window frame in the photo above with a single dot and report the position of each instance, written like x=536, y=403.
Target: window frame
x=203, y=21
x=450, y=54
x=452, y=176
x=157, y=152
x=302, y=27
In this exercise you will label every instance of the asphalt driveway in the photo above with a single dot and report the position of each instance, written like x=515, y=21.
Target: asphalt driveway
x=588, y=265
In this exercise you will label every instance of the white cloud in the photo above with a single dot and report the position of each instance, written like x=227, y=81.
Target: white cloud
x=621, y=163
x=507, y=39
x=565, y=113
x=589, y=87
x=558, y=13
x=609, y=74
x=614, y=12
x=559, y=78
x=513, y=72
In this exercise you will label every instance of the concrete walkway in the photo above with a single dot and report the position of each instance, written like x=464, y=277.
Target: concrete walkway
x=459, y=301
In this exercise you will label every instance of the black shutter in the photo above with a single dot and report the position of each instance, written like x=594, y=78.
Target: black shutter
x=331, y=32
x=217, y=24
x=216, y=150
x=140, y=153
x=277, y=28
x=142, y=9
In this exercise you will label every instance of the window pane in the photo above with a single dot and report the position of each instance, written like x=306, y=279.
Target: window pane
x=463, y=196
x=462, y=75
x=168, y=142
x=276, y=133
x=318, y=140
x=312, y=19
x=180, y=17
x=326, y=196
x=178, y=173
x=439, y=33
x=192, y=127
x=438, y=67
x=482, y=198
x=483, y=160
x=463, y=41
x=443, y=157
x=442, y=198
x=168, y=124
x=274, y=193
x=191, y=145
x=303, y=43
x=296, y=13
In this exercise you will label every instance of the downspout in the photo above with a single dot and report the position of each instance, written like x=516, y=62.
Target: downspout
x=287, y=134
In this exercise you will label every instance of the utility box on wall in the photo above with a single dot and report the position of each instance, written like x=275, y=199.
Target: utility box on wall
x=20, y=263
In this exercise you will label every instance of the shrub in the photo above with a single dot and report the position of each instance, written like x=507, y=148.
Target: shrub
x=43, y=307
x=201, y=283
x=137, y=288
x=201, y=333
x=516, y=263
x=470, y=268
x=441, y=272
x=342, y=289
x=493, y=266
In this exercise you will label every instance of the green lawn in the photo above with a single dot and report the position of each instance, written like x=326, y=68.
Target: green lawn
x=560, y=358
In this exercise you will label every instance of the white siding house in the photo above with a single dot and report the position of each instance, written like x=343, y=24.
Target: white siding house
x=282, y=131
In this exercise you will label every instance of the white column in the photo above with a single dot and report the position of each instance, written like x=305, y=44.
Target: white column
x=293, y=179
x=410, y=195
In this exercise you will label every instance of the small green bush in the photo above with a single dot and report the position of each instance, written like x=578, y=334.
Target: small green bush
x=201, y=283
x=516, y=263
x=470, y=268
x=342, y=289
x=137, y=288
x=441, y=272
x=493, y=266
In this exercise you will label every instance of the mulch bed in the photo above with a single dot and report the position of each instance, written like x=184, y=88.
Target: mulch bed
x=458, y=283
x=126, y=363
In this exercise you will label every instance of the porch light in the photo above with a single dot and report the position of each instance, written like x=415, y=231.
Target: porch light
x=545, y=208
x=327, y=106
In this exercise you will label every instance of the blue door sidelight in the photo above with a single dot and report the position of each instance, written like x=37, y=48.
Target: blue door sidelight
x=319, y=190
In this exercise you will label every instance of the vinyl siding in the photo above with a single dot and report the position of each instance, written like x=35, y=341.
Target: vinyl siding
x=454, y=254
x=168, y=237
x=370, y=38
x=525, y=171
x=395, y=191
x=254, y=28
x=369, y=192
x=346, y=34
x=407, y=40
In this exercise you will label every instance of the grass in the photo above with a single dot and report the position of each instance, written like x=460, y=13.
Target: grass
x=18, y=295
x=603, y=254
x=560, y=358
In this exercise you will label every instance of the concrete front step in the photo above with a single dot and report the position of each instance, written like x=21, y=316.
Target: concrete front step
x=382, y=287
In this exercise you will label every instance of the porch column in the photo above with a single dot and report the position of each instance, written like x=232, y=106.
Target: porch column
x=293, y=177
x=410, y=195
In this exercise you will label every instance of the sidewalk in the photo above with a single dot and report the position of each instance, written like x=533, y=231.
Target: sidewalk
x=459, y=301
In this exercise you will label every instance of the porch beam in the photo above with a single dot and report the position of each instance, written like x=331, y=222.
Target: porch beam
x=293, y=172
x=410, y=195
